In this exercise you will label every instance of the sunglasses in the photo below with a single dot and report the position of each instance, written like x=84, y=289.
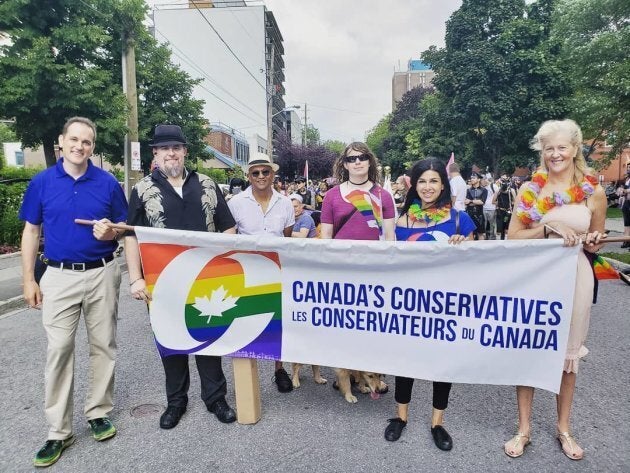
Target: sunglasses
x=265, y=173
x=361, y=157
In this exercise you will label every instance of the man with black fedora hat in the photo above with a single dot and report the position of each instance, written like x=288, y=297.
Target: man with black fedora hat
x=260, y=210
x=173, y=197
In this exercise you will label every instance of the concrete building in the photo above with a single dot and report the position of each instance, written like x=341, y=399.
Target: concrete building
x=237, y=52
x=293, y=126
x=418, y=74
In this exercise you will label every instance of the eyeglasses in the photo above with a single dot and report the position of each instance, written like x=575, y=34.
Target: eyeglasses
x=265, y=173
x=360, y=157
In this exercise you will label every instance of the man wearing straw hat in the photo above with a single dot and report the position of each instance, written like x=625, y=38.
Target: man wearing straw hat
x=81, y=276
x=173, y=197
x=260, y=210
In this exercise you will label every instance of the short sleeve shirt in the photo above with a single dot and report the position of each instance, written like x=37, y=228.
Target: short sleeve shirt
x=305, y=221
x=54, y=199
x=183, y=212
x=250, y=219
x=458, y=191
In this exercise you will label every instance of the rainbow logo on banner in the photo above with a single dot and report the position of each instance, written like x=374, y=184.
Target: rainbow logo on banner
x=224, y=304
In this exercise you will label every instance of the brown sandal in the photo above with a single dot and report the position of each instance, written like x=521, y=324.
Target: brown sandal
x=510, y=447
x=569, y=446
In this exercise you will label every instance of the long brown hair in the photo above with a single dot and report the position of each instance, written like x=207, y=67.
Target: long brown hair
x=341, y=173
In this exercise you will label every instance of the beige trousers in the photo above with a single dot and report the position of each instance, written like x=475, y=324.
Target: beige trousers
x=66, y=294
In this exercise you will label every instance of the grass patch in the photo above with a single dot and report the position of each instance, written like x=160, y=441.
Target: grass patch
x=623, y=257
x=613, y=212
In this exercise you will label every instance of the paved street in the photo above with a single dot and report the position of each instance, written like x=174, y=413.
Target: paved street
x=313, y=428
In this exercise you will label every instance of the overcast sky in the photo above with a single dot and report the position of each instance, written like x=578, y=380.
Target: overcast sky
x=340, y=55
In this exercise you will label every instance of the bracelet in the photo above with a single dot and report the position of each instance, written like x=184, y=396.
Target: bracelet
x=135, y=281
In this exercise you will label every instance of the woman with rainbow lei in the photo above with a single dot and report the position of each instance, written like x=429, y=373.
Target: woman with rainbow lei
x=562, y=200
x=426, y=215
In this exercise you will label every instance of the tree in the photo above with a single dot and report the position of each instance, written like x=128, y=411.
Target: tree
x=499, y=77
x=53, y=70
x=335, y=146
x=65, y=60
x=595, y=38
x=291, y=158
x=6, y=136
x=312, y=135
x=377, y=135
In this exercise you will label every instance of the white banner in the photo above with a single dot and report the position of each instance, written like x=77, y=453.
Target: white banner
x=490, y=312
x=136, y=163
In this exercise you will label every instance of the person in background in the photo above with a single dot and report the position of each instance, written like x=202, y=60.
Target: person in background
x=504, y=200
x=321, y=193
x=625, y=208
x=304, y=226
x=489, y=208
x=307, y=197
x=476, y=197
x=82, y=276
x=562, y=200
x=458, y=187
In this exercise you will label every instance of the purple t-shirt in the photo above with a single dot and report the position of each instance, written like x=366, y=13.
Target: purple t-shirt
x=350, y=223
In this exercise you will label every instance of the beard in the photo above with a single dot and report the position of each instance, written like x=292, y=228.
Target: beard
x=175, y=170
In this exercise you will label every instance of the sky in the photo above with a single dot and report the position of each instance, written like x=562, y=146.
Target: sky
x=340, y=55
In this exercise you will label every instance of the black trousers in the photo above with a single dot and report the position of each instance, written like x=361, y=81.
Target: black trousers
x=213, y=384
x=440, y=392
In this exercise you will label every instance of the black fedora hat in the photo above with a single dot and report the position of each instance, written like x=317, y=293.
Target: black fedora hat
x=166, y=135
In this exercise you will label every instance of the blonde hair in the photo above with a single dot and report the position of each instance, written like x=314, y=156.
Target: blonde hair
x=568, y=128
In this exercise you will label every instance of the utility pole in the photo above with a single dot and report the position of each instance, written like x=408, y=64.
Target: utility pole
x=129, y=87
x=271, y=93
x=305, y=125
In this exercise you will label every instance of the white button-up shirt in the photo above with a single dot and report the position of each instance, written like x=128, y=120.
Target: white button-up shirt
x=250, y=219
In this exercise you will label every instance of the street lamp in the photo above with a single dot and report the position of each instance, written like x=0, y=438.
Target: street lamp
x=285, y=109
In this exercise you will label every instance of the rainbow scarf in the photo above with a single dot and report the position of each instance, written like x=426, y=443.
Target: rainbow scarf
x=603, y=269
x=369, y=206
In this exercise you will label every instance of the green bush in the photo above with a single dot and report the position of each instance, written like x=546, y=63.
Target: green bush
x=11, y=196
x=10, y=172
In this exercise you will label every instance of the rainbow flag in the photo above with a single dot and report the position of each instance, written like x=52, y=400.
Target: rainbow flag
x=207, y=310
x=603, y=269
x=369, y=206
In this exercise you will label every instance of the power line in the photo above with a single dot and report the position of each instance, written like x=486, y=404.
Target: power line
x=229, y=48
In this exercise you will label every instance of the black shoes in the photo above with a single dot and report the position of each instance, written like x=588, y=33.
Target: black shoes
x=442, y=439
x=394, y=429
x=284, y=383
x=171, y=417
x=223, y=411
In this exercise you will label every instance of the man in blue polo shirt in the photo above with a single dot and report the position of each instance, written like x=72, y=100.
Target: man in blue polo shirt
x=81, y=275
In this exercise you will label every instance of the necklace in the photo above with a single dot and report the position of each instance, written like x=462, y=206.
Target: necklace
x=358, y=183
x=432, y=214
x=531, y=209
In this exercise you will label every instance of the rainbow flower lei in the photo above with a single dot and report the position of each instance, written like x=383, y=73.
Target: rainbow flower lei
x=432, y=214
x=531, y=208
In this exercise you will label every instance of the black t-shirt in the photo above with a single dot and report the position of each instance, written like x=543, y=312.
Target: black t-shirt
x=175, y=212
x=306, y=196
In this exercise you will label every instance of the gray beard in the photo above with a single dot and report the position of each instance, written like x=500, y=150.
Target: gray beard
x=175, y=171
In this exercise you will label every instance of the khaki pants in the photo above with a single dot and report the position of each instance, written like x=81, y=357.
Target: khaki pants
x=66, y=294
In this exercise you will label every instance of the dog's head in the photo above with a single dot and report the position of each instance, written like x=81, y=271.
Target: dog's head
x=373, y=381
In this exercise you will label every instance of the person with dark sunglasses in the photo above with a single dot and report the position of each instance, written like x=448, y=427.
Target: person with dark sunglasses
x=260, y=210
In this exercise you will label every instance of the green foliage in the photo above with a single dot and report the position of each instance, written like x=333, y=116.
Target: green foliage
x=623, y=257
x=335, y=146
x=6, y=136
x=499, y=77
x=312, y=135
x=377, y=135
x=65, y=60
x=613, y=212
x=11, y=226
x=595, y=39
x=220, y=176
x=11, y=172
x=55, y=69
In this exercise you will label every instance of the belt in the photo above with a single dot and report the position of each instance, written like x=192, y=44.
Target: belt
x=78, y=266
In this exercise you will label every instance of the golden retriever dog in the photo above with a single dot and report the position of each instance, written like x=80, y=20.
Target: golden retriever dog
x=367, y=382
x=317, y=376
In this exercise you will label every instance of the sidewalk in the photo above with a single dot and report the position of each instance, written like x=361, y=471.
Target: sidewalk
x=11, y=269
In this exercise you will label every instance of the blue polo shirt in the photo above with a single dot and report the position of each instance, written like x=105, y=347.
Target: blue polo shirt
x=54, y=199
